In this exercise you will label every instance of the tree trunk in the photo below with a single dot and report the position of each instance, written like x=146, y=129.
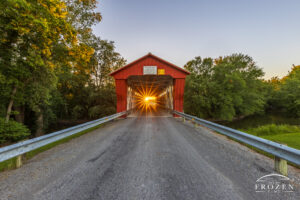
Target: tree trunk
x=20, y=116
x=39, y=124
x=11, y=102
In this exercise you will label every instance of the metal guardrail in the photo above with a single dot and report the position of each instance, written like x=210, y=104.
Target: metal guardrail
x=32, y=144
x=278, y=150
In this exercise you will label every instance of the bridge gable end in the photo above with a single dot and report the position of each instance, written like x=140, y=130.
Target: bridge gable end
x=136, y=68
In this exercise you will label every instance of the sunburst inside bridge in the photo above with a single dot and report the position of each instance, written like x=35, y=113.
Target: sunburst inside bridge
x=146, y=99
x=149, y=94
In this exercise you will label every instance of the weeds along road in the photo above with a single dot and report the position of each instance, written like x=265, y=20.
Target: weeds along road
x=143, y=158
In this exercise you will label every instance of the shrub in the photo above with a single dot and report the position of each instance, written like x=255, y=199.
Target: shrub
x=12, y=131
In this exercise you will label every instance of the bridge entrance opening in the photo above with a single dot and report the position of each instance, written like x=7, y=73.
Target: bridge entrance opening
x=150, y=84
x=150, y=95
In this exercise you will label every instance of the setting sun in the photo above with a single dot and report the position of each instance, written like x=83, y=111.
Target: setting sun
x=145, y=98
x=149, y=98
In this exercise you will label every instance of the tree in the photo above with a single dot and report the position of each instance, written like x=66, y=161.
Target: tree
x=29, y=29
x=94, y=91
x=52, y=66
x=197, y=96
x=105, y=60
x=289, y=92
x=229, y=87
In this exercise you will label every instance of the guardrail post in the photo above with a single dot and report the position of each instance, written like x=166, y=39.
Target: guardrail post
x=281, y=165
x=19, y=161
x=183, y=119
x=195, y=124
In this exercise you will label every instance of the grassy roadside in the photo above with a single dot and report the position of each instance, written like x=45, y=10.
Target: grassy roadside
x=259, y=151
x=284, y=134
x=291, y=139
x=11, y=163
x=256, y=149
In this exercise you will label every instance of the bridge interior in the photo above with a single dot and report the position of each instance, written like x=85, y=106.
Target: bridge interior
x=150, y=95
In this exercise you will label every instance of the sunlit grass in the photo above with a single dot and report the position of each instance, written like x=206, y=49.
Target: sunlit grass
x=290, y=139
x=284, y=134
x=276, y=133
x=273, y=129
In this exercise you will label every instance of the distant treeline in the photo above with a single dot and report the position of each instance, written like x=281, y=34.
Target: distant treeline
x=52, y=66
x=233, y=87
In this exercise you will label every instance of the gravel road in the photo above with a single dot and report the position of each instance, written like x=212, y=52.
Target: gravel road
x=144, y=158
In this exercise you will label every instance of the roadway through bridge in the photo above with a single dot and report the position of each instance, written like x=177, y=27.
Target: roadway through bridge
x=143, y=158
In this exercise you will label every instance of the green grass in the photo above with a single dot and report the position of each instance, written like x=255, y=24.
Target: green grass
x=284, y=134
x=11, y=163
x=295, y=145
x=8, y=164
x=291, y=139
x=273, y=129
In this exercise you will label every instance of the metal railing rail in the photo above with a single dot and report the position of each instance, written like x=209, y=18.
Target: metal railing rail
x=276, y=149
x=20, y=148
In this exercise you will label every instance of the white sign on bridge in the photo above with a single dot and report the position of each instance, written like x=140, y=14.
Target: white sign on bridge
x=150, y=70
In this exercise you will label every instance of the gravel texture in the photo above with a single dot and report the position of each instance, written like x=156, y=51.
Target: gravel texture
x=144, y=158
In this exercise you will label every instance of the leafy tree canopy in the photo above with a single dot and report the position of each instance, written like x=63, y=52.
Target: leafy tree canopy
x=224, y=88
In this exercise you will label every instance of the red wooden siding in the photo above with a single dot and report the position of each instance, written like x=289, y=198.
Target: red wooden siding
x=136, y=68
x=121, y=90
x=178, y=94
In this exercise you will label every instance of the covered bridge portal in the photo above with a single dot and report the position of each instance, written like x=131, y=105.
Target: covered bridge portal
x=148, y=84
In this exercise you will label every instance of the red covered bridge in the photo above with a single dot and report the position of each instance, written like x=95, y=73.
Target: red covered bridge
x=148, y=81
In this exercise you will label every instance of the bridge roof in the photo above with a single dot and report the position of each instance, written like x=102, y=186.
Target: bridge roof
x=136, y=67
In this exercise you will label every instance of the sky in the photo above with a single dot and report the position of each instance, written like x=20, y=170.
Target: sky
x=179, y=30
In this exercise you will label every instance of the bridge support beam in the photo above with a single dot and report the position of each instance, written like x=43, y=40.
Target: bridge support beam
x=121, y=91
x=178, y=95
